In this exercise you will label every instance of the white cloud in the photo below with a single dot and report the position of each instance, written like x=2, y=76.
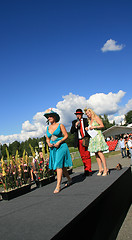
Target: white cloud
x=111, y=45
x=106, y=103
x=126, y=108
x=68, y=106
x=120, y=119
x=28, y=127
x=101, y=103
x=121, y=113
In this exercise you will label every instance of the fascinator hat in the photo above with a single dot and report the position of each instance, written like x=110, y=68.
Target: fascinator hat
x=50, y=112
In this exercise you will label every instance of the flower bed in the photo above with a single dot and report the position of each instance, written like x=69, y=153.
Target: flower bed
x=44, y=181
x=13, y=193
x=17, y=173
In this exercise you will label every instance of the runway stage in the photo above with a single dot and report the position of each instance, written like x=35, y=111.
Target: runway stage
x=91, y=208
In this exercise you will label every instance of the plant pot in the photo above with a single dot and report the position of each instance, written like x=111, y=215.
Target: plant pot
x=44, y=181
x=16, y=192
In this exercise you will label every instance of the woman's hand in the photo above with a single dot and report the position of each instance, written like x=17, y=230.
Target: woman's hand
x=91, y=127
x=57, y=144
x=48, y=142
x=76, y=124
x=50, y=145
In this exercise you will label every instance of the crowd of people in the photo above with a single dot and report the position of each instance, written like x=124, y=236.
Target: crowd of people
x=125, y=144
x=88, y=138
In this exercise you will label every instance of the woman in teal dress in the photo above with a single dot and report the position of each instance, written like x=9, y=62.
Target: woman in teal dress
x=97, y=144
x=60, y=157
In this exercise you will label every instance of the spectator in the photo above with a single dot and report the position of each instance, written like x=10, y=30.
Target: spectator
x=122, y=147
x=127, y=148
x=130, y=147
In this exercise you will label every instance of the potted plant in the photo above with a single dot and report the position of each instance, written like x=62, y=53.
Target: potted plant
x=15, y=176
x=43, y=175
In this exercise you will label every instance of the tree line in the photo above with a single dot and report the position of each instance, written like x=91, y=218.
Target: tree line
x=35, y=141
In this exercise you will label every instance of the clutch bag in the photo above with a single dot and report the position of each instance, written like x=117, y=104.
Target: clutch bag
x=85, y=142
x=53, y=138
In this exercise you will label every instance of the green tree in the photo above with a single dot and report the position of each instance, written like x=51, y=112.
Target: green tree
x=70, y=140
x=106, y=122
x=3, y=151
x=128, y=117
x=13, y=147
x=21, y=148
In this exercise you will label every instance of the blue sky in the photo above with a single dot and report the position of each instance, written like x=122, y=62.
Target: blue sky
x=49, y=49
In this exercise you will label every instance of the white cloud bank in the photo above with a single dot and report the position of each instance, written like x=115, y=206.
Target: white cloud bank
x=111, y=45
x=101, y=103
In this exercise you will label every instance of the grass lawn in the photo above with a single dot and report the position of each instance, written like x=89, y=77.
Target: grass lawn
x=78, y=161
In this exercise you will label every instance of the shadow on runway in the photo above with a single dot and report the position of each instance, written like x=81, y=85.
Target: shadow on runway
x=77, y=178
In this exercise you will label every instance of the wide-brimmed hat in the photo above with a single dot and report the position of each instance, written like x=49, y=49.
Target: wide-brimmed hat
x=52, y=113
x=79, y=111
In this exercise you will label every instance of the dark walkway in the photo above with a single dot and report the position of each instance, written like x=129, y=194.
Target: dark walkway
x=40, y=214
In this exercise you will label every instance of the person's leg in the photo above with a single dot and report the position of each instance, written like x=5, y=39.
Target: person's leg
x=130, y=150
x=87, y=160
x=128, y=153
x=31, y=172
x=59, y=177
x=85, y=155
x=67, y=176
x=66, y=173
x=81, y=151
x=102, y=157
x=99, y=162
x=122, y=152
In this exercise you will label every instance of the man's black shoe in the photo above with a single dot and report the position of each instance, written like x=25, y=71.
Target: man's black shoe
x=87, y=173
x=90, y=174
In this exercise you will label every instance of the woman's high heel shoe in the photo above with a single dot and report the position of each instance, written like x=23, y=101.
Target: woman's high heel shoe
x=106, y=173
x=100, y=173
x=57, y=190
x=69, y=182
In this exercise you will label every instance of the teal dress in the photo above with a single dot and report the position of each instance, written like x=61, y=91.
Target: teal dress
x=59, y=157
x=97, y=143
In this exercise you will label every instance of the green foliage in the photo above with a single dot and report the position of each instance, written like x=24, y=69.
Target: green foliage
x=72, y=149
x=21, y=147
x=106, y=122
x=128, y=117
x=3, y=151
x=13, y=146
x=8, y=157
x=32, y=150
x=70, y=140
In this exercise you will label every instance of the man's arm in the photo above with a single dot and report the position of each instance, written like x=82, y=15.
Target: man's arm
x=85, y=122
x=73, y=128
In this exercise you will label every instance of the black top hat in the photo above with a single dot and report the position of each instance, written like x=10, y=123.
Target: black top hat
x=79, y=111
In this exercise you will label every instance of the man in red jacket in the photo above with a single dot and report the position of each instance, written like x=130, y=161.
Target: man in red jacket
x=78, y=128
